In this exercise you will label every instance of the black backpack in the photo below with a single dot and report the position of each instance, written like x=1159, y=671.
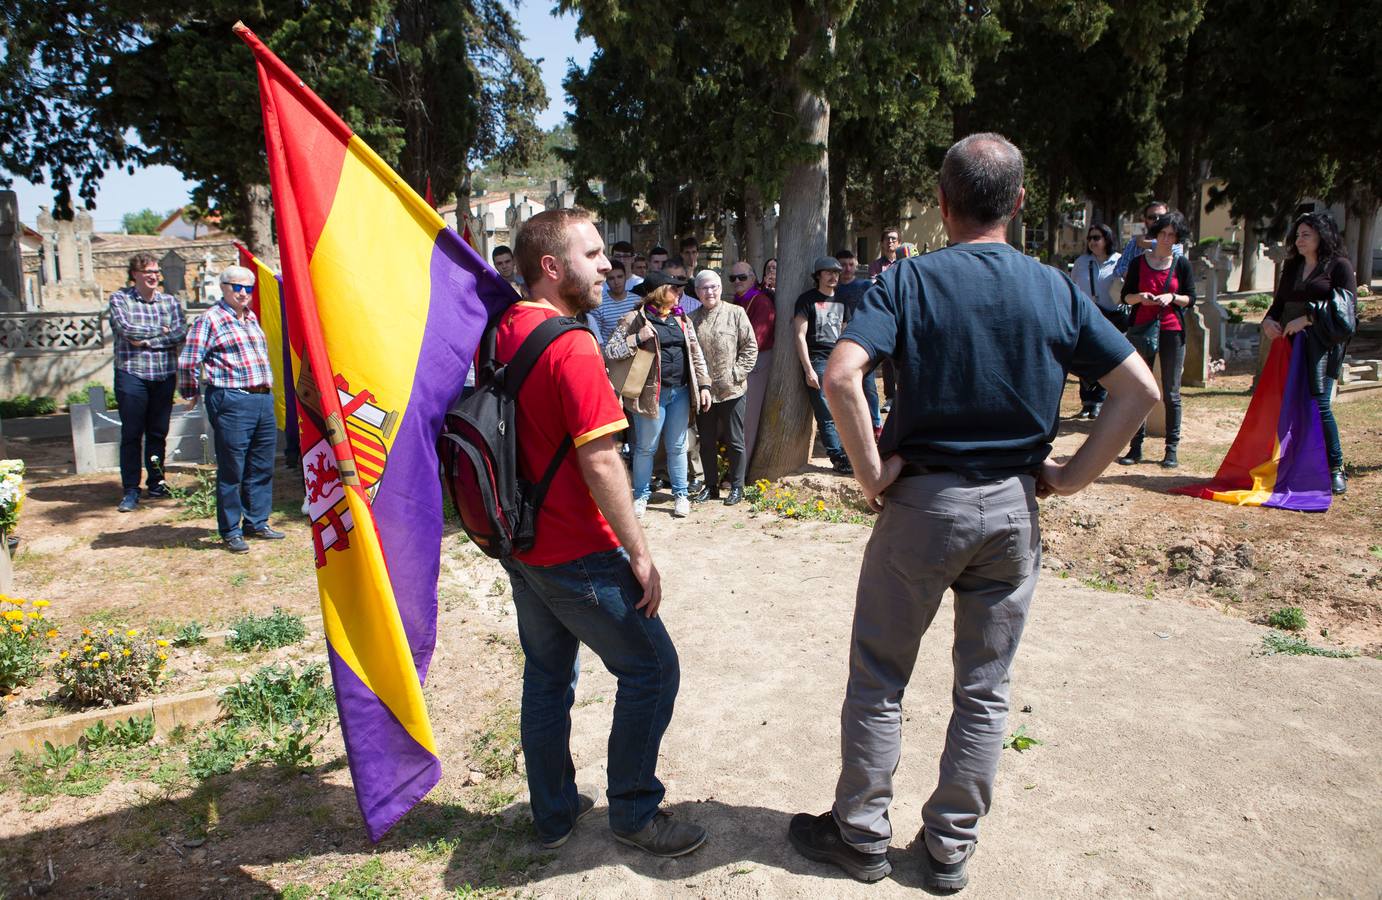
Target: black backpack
x=478, y=448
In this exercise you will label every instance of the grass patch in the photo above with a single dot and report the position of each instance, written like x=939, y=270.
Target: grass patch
x=495, y=750
x=1287, y=618
x=278, y=629
x=1102, y=583
x=1274, y=642
x=371, y=880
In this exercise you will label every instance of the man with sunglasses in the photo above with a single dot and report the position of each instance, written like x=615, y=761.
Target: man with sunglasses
x=148, y=325
x=228, y=345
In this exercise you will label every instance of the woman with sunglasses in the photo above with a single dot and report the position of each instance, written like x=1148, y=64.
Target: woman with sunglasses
x=1094, y=274
x=1314, y=268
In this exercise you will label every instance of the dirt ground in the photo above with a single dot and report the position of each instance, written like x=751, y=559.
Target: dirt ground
x=1177, y=758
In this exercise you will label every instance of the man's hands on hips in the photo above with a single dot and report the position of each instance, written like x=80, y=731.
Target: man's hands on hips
x=877, y=481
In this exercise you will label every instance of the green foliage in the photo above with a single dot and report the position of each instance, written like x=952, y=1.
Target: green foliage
x=133, y=732
x=495, y=750
x=276, y=695
x=764, y=496
x=278, y=629
x=1020, y=741
x=1258, y=301
x=189, y=635
x=24, y=639
x=146, y=221
x=198, y=501
x=23, y=405
x=1274, y=642
x=77, y=397
x=216, y=753
x=1287, y=618
x=110, y=668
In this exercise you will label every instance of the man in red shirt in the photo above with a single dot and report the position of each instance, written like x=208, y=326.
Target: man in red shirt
x=589, y=577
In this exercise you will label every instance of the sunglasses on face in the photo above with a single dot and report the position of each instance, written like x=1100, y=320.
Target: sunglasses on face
x=241, y=288
x=1096, y=237
x=743, y=277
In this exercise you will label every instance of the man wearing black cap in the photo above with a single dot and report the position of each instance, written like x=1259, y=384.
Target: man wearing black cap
x=820, y=318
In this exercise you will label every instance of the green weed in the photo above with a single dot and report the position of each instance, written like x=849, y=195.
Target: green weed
x=1274, y=642
x=189, y=635
x=278, y=629
x=1020, y=740
x=1102, y=583
x=495, y=750
x=1287, y=618
x=198, y=501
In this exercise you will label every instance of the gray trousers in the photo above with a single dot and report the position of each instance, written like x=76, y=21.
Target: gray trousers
x=936, y=531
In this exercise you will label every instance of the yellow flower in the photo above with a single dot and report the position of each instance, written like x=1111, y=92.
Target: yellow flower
x=162, y=642
x=35, y=615
x=86, y=648
x=62, y=655
x=13, y=614
x=126, y=652
x=820, y=506
x=110, y=632
x=95, y=665
x=103, y=655
x=86, y=632
x=86, y=665
x=162, y=656
x=52, y=633
x=133, y=632
x=16, y=627
x=15, y=600
x=42, y=603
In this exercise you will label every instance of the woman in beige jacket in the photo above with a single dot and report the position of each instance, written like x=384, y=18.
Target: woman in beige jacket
x=657, y=366
x=727, y=341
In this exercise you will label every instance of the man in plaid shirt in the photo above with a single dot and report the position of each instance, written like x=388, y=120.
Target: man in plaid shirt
x=228, y=344
x=148, y=325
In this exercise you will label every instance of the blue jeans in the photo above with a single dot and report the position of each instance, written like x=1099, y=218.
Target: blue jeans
x=146, y=408
x=825, y=422
x=246, y=437
x=590, y=601
x=871, y=396
x=672, y=420
x=1332, y=447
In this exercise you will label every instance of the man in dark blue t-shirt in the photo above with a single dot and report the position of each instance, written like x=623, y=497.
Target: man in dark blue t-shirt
x=982, y=338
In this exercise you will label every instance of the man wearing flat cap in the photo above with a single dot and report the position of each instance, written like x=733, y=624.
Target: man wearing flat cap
x=820, y=317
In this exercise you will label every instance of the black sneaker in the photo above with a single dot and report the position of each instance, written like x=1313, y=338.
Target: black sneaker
x=818, y=838
x=266, y=534
x=129, y=501
x=159, y=491
x=237, y=545
x=939, y=876
x=842, y=465
x=705, y=493
x=584, y=804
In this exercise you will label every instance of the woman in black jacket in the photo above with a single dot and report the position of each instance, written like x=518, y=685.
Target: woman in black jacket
x=1160, y=286
x=1315, y=267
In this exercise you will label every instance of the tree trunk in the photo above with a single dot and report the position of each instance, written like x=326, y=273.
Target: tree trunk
x=259, y=223
x=753, y=228
x=837, y=234
x=784, y=431
x=1251, y=241
x=1367, y=230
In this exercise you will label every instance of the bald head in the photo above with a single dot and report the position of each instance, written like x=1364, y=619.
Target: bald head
x=742, y=277
x=981, y=179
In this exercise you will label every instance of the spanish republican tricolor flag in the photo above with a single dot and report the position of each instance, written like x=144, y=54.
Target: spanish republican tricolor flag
x=385, y=308
x=271, y=311
x=1278, y=458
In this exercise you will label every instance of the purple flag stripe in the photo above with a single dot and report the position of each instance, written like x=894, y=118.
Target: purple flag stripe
x=1302, y=475
x=391, y=771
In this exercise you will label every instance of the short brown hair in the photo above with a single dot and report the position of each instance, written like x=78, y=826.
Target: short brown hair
x=139, y=261
x=545, y=234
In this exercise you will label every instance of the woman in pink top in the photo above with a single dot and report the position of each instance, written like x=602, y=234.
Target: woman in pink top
x=1161, y=287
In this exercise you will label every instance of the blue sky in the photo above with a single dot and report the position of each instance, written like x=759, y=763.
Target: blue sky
x=546, y=36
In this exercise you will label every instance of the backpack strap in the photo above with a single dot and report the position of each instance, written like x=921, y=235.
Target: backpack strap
x=532, y=348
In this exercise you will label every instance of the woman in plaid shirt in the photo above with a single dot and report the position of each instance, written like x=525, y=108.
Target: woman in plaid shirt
x=228, y=345
x=148, y=325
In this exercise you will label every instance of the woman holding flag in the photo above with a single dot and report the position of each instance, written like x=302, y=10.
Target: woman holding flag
x=1315, y=267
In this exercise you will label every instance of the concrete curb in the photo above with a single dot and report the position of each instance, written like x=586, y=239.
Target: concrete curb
x=168, y=713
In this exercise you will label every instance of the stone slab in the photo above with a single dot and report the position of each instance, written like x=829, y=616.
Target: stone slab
x=168, y=712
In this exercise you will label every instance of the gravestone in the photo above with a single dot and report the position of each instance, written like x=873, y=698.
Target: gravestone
x=11, y=265
x=1215, y=316
x=174, y=273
